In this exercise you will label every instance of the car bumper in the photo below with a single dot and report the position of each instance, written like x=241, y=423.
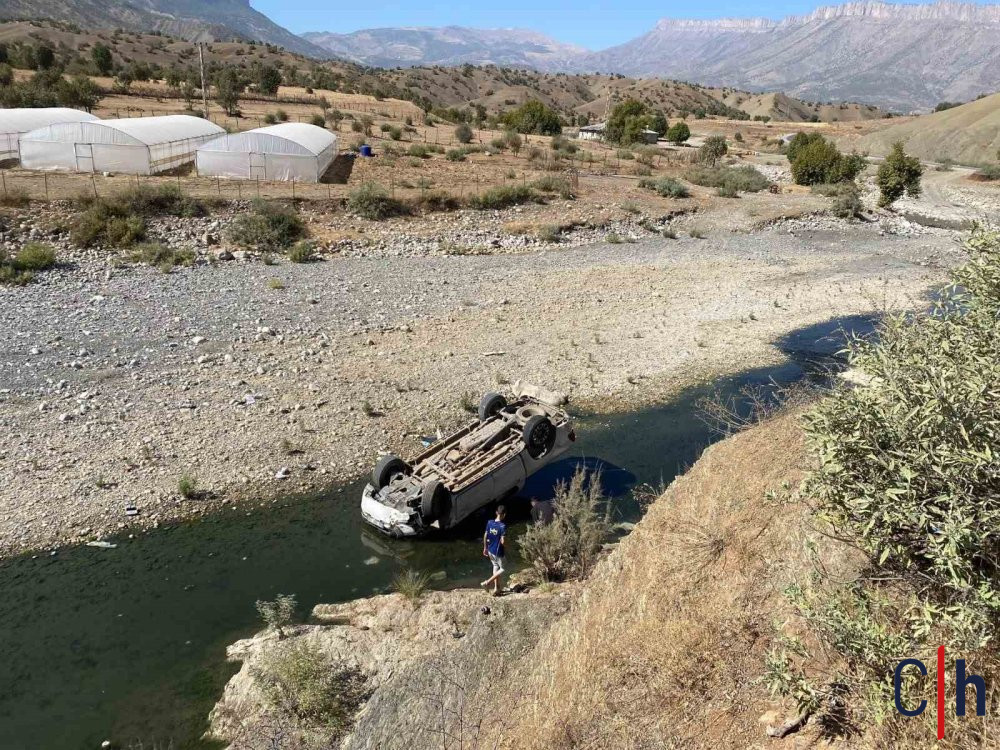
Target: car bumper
x=387, y=520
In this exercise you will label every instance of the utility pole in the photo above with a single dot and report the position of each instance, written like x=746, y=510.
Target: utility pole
x=204, y=94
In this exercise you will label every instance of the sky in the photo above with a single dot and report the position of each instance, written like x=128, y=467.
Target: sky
x=588, y=23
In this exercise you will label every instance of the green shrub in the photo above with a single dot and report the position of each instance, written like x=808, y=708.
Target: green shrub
x=268, y=226
x=504, y=197
x=419, y=150
x=318, y=120
x=463, y=133
x=278, y=613
x=846, y=202
x=35, y=256
x=569, y=546
x=395, y=133
x=302, y=252
x=988, y=172
x=898, y=174
x=161, y=256
x=432, y=201
x=270, y=119
x=624, y=154
x=455, y=154
x=678, y=132
x=554, y=184
x=15, y=197
x=668, y=187
x=301, y=681
x=744, y=179
x=371, y=201
x=412, y=584
x=549, y=233
x=187, y=486
x=533, y=117
x=818, y=161
x=727, y=191
x=713, y=149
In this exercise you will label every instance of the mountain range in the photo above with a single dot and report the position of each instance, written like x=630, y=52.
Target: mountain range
x=897, y=56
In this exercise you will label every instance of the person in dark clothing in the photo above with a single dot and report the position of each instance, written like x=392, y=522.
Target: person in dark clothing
x=542, y=511
x=494, y=541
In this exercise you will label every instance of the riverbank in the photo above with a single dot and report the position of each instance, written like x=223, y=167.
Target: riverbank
x=119, y=385
x=578, y=664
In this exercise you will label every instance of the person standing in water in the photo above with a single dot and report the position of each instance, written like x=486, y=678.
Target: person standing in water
x=493, y=547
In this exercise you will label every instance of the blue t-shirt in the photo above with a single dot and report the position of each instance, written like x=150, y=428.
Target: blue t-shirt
x=495, y=531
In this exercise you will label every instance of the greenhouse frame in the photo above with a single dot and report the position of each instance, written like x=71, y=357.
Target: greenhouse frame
x=140, y=145
x=290, y=151
x=16, y=122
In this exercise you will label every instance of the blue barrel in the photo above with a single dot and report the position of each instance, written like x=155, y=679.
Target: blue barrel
x=366, y=150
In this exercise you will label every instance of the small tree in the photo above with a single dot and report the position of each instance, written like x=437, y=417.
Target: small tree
x=713, y=149
x=79, y=92
x=277, y=614
x=513, y=141
x=101, y=55
x=897, y=175
x=463, y=133
x=228, y=88
x=678, y=132
x=267, y=78
x=533, y=117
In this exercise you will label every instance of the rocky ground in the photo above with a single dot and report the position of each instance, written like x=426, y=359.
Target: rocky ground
x=257, y=380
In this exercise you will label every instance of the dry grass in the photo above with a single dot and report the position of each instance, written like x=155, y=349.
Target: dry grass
x=677, y=660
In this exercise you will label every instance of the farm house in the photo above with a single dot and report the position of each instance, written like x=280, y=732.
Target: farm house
x=291, y=151
x=16, y=122
x=141, y=145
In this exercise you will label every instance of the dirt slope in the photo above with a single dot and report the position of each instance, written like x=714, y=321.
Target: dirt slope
x=968, y=134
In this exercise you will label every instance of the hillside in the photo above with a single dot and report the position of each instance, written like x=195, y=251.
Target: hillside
x=451, y=45
x=968, y=134
x=186, y=19
x=494, y=88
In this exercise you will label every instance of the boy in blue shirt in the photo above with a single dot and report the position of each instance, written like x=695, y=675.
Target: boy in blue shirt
x=493, y=547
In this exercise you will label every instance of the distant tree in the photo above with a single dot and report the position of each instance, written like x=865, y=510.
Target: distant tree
x=267, y=78
x=658, y=123
x=513, y=141
x=45, y=57
x=942, y=106
x=817, y=161
x=897, y=175
x=101, y=55
x=228, y=88
x=463, y=133
x=626, y=123
x=533, y=117
x=713, y=149
x=678, y=132
x=78, y=92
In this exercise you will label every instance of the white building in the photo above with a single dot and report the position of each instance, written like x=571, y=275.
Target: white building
x=291, y=151
x=140, y=145
x=592, y=132
x=16, y=122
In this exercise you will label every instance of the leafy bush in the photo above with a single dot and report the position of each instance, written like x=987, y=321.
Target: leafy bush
x=818, y=161
x=435, y=200
x=569, y=546
x=744, y=179
x=269, y=226
x=412, y=584
x=727, y=191
x=907, y=464
x=678, y=132
x=21, y=269
x=318, y=120
x=847, y=201
x=303, y=252
x=504, y=197
x=533, y=117
x=15, y=198
x=988, y=172
x=371, y=201
x=549, y=233
x=455, y=154
x=419, y=150
x=897, y=175
x=713, y=149
x=161, y=256
x=277, y=614
x=668, y=187
x=463, y=133
x=301, y=681
x=554, y=184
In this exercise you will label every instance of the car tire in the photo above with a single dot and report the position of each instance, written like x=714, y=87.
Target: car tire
x=490, y=405
x=386, y=468
x=433, y=500
x=539, y=436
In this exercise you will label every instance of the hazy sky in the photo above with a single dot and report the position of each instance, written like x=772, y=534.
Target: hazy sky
x=589, y=23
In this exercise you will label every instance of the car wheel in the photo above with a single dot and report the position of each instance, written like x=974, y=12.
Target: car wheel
x=434, y=500
x=490, y=405
x=539, y=436
x=386, y=468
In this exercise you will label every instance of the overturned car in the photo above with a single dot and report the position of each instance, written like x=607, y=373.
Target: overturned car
x=485, y=461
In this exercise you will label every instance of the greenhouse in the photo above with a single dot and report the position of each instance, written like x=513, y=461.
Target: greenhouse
x=140, y=145
x=16, y=122
x=291, y=151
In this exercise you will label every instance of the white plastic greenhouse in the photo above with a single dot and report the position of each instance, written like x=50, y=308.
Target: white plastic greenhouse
x=140, y=145
x=16, y=122
x=291, y=151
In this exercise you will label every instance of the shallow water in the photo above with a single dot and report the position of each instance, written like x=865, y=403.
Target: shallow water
x=128, y=644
